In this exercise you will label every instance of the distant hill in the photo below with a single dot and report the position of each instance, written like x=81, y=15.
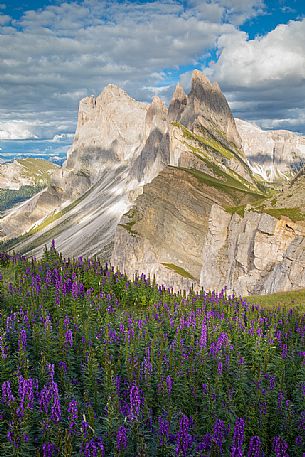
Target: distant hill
x=21, y=179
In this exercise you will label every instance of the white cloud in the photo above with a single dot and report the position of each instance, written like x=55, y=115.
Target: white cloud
x=52, y=57
x=264, y=78
x=15, y=130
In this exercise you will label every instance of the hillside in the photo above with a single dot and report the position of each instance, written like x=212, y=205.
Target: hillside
x=21, y=179
x=26, y=172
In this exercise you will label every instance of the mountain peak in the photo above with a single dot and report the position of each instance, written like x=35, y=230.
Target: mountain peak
x=179, y=93
x=199, y=76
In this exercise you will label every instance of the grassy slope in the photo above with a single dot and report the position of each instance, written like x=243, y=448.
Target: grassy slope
x=283, y=299
x=38, y=169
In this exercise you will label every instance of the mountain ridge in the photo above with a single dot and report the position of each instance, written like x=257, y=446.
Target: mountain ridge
x=124, y=154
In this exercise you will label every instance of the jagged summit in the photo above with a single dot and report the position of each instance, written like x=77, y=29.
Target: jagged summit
x=199, y=76
x=179, y=93
x=204, y=107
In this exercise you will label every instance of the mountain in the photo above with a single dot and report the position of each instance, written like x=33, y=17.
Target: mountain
x=274, y=154
x=171, y=192
x=119, y=145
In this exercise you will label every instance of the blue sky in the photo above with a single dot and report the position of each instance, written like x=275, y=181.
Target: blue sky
x=53, y=53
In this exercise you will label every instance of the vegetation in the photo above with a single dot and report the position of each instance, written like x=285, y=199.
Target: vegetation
x=131, y=215
x=295, y=214
x=94, y=364
x=210, y=141
x=240, y=210
x=236, y=192
x=181, y=271
x=294, y=298
x=10, y=198
x=38, y=169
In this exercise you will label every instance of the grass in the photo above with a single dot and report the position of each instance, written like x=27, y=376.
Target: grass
x=131, y=215
x=179, y=270
x=240, y=210
x=289, y=299
x=38, y=169
x=211, y=142
x=128, y=226
x=229, y=176
x=294, y=214
x=214, y=145
x=237, y=192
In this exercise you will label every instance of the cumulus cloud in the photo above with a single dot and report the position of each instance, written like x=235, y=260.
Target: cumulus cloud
x=264, y=78
x=52, y=57
x=15, y=129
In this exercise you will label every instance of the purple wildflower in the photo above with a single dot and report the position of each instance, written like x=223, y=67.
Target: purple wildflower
x=280, y=447
x=74, y=290
x=169, y=383
x=26, y=394
x=85, y=427
x=48, y=450
x=218, y=433
x=121, y=438
x=135, y=402
x=163, y=429
x=206, y=443
x=184, y=438
x=7, y=395
x=204, y=335
x=219, y=368
x=255, y=447
x=284, y=351
x=22, y=340
x=73, y=415
x=50, y=402
x=94, y=448
x=238, y=438
x=69, y=337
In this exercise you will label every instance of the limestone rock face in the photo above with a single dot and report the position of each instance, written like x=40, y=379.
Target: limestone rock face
x=273, y=154
x=203, y=120
x=177, y=104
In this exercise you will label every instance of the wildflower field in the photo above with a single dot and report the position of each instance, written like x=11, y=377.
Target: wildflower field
x=94, y=364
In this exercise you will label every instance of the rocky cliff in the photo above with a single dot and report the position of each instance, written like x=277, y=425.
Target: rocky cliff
x=186, y=231
x=275, y=154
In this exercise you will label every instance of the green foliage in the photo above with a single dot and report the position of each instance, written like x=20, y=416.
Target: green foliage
x=9, y=198
x=209, y=141
x=179, y=270
x=295, y=214
x=39, y=170
x=288, y=299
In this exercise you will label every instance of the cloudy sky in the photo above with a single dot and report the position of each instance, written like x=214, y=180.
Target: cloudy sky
x=53, y=53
